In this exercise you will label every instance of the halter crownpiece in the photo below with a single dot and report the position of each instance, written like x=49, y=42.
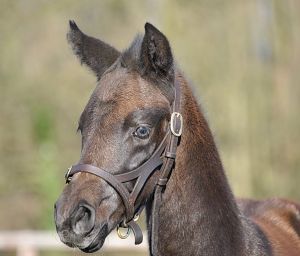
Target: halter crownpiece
x=161, y=160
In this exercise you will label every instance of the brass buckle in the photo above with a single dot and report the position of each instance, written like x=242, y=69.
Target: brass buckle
x=174, y=119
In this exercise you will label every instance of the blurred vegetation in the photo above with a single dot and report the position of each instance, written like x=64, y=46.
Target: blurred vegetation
x=242, y=56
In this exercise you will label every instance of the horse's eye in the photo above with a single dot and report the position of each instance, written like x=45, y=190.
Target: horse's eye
x=142, y=132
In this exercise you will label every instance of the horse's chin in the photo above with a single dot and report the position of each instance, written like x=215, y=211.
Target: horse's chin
x=97, y=242
x=95, y=246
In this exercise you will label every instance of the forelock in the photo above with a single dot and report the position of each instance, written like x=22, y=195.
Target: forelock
x=131, y=60
x=130, y=57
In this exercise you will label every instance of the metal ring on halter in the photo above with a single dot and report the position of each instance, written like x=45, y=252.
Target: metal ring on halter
x=122, y=236
x=125, y=226
x=136, y=217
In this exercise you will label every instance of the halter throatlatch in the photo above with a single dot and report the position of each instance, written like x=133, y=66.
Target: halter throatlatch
x=161, y=160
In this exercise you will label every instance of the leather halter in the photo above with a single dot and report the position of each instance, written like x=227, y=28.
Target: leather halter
x=161, y=160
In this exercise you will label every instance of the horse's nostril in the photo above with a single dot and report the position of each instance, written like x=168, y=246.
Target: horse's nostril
x=83, y=219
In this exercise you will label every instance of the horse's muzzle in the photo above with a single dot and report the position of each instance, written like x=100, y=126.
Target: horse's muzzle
x=74, y=227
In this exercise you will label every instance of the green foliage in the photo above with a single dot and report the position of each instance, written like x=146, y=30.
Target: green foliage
x=42, y=124
x=242, y=56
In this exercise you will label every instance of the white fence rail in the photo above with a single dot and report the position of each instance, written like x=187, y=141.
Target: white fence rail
x=30, y=243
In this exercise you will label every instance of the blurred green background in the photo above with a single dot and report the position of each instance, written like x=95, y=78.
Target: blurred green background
x=243, y=58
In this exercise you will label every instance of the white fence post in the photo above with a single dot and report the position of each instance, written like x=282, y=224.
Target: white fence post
x=26, y=251
x=30, y=243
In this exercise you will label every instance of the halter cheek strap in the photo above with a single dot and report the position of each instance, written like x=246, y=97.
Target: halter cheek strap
x=162, y=159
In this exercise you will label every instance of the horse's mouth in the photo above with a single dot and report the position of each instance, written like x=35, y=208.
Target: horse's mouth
x=97, y=242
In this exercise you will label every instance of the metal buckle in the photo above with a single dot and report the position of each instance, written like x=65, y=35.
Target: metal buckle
x=67, y=177
x=174, y=119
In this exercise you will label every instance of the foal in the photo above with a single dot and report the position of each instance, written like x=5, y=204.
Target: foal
x=126, y=123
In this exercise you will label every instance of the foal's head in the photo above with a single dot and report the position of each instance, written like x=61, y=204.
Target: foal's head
x=122, y=124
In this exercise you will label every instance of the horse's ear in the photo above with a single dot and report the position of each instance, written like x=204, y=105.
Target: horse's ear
x=94, y=53
x=156, y=55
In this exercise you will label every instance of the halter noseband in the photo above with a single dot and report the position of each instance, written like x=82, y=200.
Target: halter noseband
x=163, y=157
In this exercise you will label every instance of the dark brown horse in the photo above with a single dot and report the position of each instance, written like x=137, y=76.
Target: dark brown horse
x=124, y=126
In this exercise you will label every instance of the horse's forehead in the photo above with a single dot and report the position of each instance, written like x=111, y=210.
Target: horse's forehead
x=127, y=88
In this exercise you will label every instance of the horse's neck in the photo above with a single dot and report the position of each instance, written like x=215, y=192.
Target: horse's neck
x=198, y=215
